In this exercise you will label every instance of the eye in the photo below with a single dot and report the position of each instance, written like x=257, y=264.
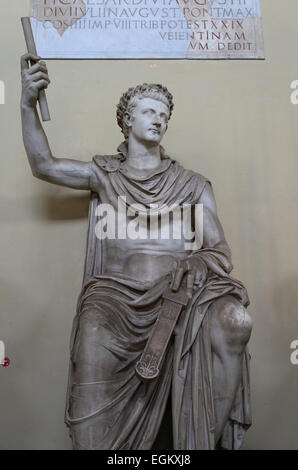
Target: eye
x=148, y=111
x=164, y=117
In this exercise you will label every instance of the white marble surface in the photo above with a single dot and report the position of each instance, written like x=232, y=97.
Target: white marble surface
x=148, y=28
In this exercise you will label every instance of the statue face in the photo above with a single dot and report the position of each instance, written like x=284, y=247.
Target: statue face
x=148, y=120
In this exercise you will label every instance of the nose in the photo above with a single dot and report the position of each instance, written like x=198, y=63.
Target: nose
x=157, y=121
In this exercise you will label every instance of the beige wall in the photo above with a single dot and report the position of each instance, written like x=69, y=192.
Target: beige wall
x=234, y=123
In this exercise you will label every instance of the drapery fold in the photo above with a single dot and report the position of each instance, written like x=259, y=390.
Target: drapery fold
x=132, y=411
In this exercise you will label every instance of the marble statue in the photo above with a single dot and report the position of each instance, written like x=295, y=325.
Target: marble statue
x=160, y=337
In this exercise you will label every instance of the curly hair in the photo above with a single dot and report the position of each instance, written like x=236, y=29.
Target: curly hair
x=128, y=101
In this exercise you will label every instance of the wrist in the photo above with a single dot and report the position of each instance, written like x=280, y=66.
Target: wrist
x=25, y=105
x=199, y=260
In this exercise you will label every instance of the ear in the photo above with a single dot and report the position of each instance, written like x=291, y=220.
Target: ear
x=127, y=119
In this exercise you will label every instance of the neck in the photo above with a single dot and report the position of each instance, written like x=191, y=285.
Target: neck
x=142, y=156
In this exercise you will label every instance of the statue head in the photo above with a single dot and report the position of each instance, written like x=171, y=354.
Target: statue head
x=130, y=99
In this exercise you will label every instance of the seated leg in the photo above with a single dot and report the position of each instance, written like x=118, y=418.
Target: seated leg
x=94, y=359
x=95, y=367
x=230, y=330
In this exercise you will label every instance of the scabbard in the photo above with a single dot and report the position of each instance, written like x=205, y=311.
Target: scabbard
x=148, y=367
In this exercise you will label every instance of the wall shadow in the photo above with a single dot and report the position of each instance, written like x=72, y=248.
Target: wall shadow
x=74, y=207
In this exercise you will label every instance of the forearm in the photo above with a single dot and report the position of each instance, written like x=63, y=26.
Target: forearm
x=217, y=261
x=63, y=171
x=35, y=141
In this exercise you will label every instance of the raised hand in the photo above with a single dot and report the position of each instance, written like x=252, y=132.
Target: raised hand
x=34, y=79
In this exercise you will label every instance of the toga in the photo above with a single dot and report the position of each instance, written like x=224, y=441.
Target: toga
x=113, y=409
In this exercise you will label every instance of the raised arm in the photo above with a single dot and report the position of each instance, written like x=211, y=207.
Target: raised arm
x=66, y=172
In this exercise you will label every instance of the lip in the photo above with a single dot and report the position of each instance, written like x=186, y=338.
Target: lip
x=154, y=130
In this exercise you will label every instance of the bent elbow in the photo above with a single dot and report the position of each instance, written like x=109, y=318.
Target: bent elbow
x=43, y=171
x=35, y=173
x=38, y=173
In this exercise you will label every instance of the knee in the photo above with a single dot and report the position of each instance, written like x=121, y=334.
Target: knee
x=234, y=321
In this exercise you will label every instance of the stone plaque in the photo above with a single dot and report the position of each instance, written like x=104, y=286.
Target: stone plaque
x=169, y=29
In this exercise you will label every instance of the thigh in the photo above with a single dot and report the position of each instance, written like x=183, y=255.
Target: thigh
x=95, y=355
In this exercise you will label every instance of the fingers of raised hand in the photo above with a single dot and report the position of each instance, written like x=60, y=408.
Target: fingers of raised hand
x=26, y=58
x=36, y=77
x=41, y=84
x=38, y=67
x=39, y=79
